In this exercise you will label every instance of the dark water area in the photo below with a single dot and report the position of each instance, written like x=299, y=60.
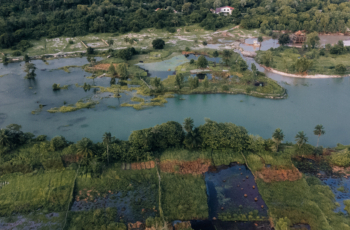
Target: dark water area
x=230, y=225
x=131, y=206
x=232, y=190
x=161, y=74
x=340, y=186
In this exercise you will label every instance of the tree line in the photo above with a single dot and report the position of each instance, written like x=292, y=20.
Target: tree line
x=21, y=20
x=23, y=152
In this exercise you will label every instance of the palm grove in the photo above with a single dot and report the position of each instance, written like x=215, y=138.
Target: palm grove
x=21, y=20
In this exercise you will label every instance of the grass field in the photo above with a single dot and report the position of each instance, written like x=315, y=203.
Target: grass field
x=27, y=193
x=188, y=36
x=284, y=59
x=183, y=197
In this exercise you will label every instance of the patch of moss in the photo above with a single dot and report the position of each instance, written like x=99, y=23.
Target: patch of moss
x=71, y=108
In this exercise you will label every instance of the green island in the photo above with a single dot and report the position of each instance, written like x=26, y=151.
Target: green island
x=161, y=174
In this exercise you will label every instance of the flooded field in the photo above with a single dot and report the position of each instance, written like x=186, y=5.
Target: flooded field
x=233, y=194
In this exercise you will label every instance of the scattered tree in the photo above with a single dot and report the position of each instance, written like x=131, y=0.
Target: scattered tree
x=226, y=56
x=277, y=137
x=284, y=39
x=340, y=68
x=110, y=42
x=260, y=40
x=26, y=58
x=301, y=138
x=122, y=70
x=107, y=140
x=158, y=43
x=179, y=80
x=111, y=69
x=202, y=62
x=319, y=131
x=206, y=82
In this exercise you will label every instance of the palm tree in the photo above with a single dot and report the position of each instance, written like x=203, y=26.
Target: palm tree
x=301, y=138
x=277, y=137
x=85, y=147
x=193, y=139
x=188, y=124
x=107, y=139
x=319, y=130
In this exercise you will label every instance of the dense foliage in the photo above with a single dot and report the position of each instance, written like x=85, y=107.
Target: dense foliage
x=21, y=20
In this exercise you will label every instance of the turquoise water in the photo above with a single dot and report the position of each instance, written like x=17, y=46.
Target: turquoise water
x=310, y=102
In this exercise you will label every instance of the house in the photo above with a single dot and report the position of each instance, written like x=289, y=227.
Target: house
x=298, y=37
x=225, y=10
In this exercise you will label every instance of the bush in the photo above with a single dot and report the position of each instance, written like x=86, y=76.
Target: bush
x=225, y=88
x=171, y=29
x=340, y=68
x=16, y=53
x=158, y=43
x=192, y=61
x=205, y=43
x=90, y=50
x=71, y=42
x=55, y=87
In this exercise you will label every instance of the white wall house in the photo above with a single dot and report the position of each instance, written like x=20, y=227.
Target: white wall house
x=225, y=10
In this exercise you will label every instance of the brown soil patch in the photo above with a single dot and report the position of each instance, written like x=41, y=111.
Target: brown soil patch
x=103, y=66
x=342, y=170
x=183, y=225
x=136, y=226
x=196, y=167
x=143, y=165
x=269, y=175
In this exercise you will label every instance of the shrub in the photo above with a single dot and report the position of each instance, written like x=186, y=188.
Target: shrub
x=171, y=29
x=340, y=68
x=225, y=88
x=205, y=43
x=192, y=61
x=158, y=43
x=16, y=53
x=71, y=42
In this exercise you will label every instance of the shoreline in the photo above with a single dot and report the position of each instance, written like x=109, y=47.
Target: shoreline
x=316, y=76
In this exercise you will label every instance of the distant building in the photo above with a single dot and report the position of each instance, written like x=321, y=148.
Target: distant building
x=298, y=37
x=225, y=10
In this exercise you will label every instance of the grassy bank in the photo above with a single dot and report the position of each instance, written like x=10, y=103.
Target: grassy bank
x=322, y=61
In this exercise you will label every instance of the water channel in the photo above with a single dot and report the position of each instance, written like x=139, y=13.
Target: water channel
x=310, y=102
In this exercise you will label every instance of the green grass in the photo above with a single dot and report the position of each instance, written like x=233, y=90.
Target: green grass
x=347, y=206
x=283, y=60
x=183, y=197
x=303, y=201
x=71, y=108
x=29, y=192
x=341, y=158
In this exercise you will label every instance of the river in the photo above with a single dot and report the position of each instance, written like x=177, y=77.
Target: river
x=310, y=102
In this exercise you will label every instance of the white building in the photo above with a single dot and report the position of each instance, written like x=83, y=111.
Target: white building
x=225, y=10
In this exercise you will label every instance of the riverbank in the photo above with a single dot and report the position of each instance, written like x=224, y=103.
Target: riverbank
x=316, y=76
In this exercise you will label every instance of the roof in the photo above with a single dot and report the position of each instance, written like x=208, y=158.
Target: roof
x=218, y=10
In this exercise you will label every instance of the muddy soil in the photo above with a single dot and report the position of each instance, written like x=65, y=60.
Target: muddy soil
x=269, y=175
x=196, y=167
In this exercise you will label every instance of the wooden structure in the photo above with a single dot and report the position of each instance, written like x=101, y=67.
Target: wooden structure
x=298, y=37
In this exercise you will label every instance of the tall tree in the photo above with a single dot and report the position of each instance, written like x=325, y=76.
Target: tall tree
x=226, y=56
x=107, y=140
x=260, y=40
x=278, y=137
x=179, y=79
x=85, y=148
x=301, y=138
x=188, y=124
x=318, y=131
x=202, y=62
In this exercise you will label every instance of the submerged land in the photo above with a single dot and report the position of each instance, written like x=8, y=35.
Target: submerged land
x=215, y=172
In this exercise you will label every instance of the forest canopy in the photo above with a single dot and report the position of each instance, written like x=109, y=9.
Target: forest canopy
x=21, y=20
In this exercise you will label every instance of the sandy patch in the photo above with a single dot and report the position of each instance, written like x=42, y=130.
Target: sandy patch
x=316, y=76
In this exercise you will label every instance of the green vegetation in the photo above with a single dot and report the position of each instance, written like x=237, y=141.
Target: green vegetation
x=71, y=108
x=303, y=201
x=331, y=61
x=58, y=87
x=38, y=176
x=183, y=197
x=347, y=205
x=341, y=158
x=29, y=192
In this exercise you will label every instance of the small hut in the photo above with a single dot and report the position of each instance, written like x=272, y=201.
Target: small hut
x=298, y=37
